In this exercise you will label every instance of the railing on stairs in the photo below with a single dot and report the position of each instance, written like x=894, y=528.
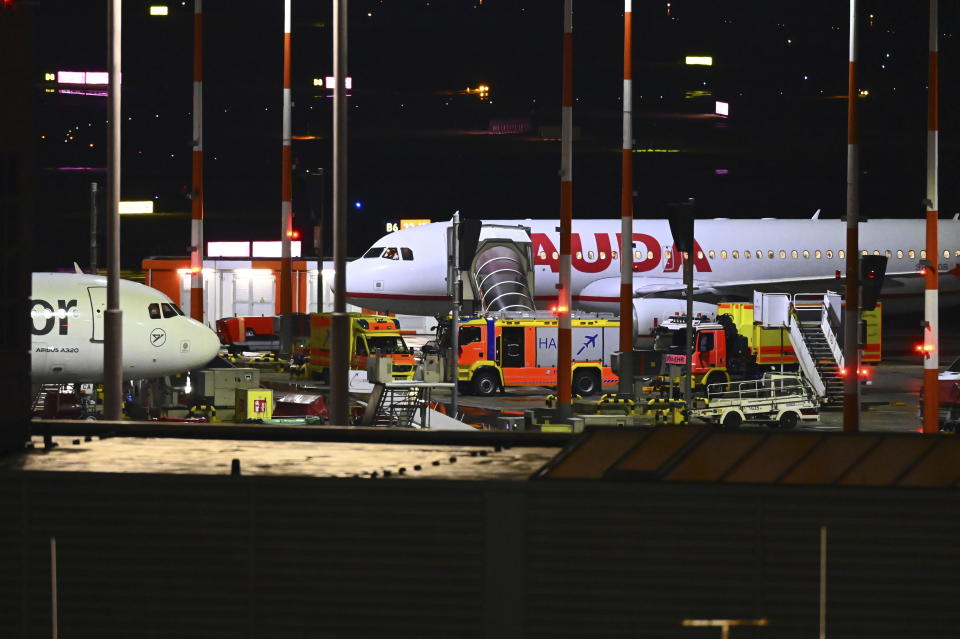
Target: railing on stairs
x=805, y=359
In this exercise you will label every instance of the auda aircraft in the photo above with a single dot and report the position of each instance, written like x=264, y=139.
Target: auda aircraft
x=67, y=314
x=405, y=271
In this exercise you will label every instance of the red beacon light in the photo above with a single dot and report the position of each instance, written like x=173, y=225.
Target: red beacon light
x=924, y=349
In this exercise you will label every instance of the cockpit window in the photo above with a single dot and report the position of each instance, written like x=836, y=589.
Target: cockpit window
x=391, y=254
x=374, y=252
x=406, y=253
x=154, y=310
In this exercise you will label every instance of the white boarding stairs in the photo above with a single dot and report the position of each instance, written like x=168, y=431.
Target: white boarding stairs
x=813, y=322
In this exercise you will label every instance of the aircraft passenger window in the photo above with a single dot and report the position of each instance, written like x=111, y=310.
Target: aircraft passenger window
x=829, y=255
x=794, y=254
x=841, y=253
x=579, y=255
x=638, y=255
x=889, y=254
x=864, y=252
x=667, y=254
x=556, y=255
x=911, y=254
x=391, y=254
x=589, y=255
x=818, y=254
x=746, y=255
x=735, y=254
x=543, y=255
x=373, y=252
x=686, y=255
x=783, y=255
x=406, y=254
x=699, y=255
x=876, y=252
x=946, y=254
x=712, y=254
x=154, y=311
x=649, y=255
x=603, y=255
x=613, y=254
x=956, y=253
x=759, y=254
x=168, y=310
x=770, y=255
x=900, y=254
x=361, y=347
x=806, y=255
x=923, y=254
x=723, y=255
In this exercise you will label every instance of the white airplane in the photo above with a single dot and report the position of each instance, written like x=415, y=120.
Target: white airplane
x=67, y=315
x=405, y=271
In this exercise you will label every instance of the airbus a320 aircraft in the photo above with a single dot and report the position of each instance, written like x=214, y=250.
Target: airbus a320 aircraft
x=67, y=314
x=405, y=271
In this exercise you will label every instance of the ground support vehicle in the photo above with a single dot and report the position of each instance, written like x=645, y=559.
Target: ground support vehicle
x=369, y=334
x=505, y=350
x=780, y=399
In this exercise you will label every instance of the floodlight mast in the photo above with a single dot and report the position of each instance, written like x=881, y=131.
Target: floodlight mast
x=565, y=297
x=113, y=316
x=626, y=214
x=851, y=315
x=196, y=195
x=339, y=320
x=931, y=331
x=286, y=204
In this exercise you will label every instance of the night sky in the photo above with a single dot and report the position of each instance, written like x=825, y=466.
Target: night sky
x=419, y=147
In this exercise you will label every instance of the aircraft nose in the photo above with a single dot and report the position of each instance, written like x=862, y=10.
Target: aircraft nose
x=206, y=345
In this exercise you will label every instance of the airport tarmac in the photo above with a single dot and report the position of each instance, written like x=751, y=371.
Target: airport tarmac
x=889, y=402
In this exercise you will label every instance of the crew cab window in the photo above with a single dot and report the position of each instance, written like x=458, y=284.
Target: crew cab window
x=469, y=335
x=373, y=252
x=154, y=310
x=361, y=347
x=406, y=253
x=169, y=310
x=387, y=345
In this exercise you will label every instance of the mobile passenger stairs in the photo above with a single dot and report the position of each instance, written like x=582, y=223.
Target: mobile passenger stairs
x=813, y=320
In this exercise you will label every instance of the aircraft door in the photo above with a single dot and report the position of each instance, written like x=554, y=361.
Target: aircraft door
x=512, y=347
x=98, y=307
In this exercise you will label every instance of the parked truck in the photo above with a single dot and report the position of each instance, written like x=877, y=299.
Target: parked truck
x=735, y=347
x=501, y=351
x=369, y=334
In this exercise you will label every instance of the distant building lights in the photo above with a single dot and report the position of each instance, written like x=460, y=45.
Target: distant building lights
x=863, y=93
x=228, y=249
x=274, y=249
x=81, y=77
x=330, y=82
x=159, y=10
x=722, y=108
x=704, y=60
x=135, y=207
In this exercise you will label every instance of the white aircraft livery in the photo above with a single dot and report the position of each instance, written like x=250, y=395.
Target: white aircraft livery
x=67, y=314
x=405, y=271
